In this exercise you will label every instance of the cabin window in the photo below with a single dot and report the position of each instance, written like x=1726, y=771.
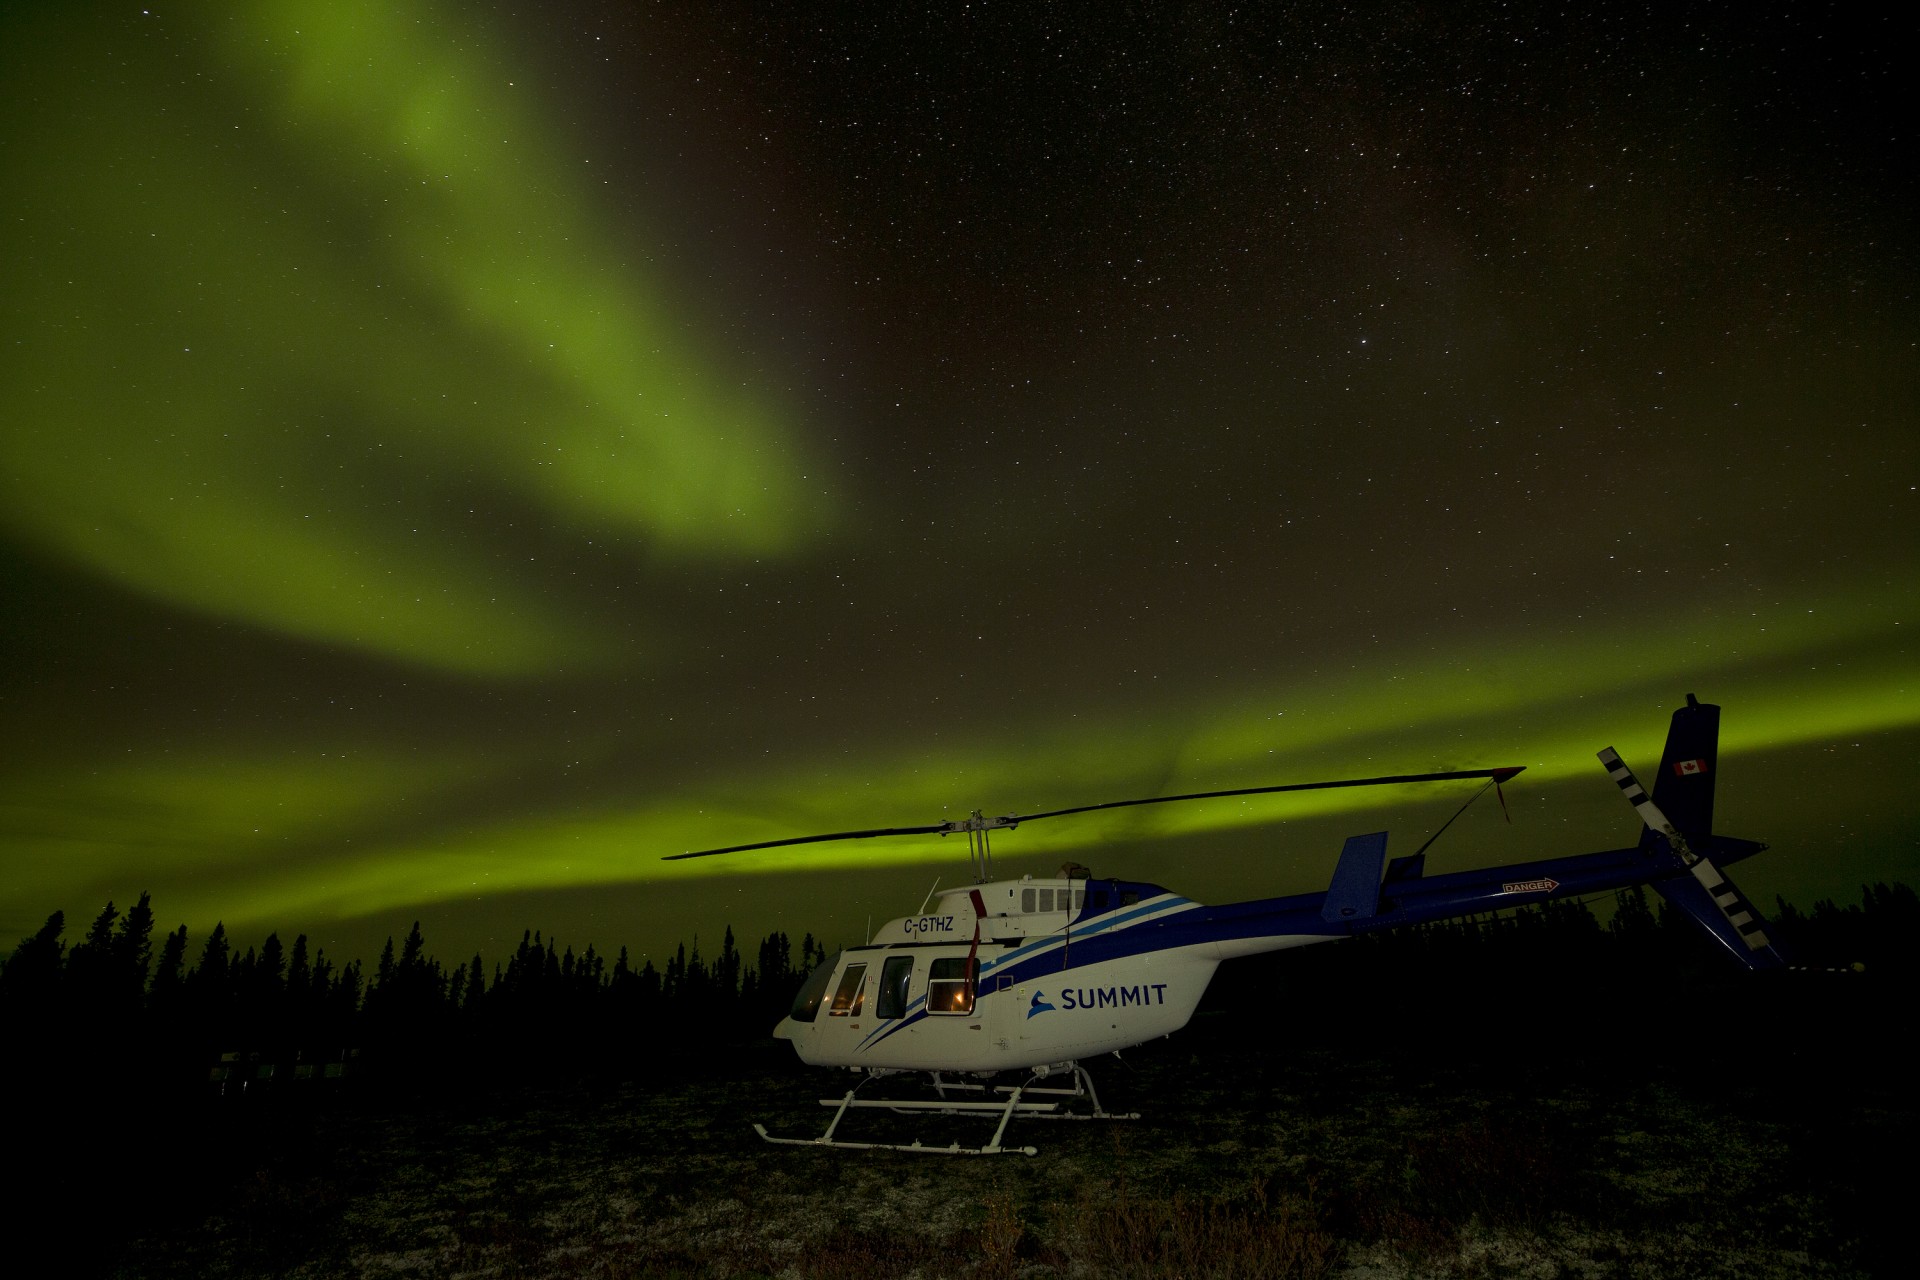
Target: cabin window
x=1128, y=897
x=1079, y=899
x=851, y=993
x=950, y=984
x=894, y=978
x=1026, y=902
x=1099, y=899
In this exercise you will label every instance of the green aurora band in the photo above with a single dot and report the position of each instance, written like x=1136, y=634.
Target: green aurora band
x=260, y=825
x=299, y=297
x=302, y=249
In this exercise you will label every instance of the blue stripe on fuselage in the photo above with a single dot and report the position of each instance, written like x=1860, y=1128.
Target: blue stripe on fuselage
x=1172, y=922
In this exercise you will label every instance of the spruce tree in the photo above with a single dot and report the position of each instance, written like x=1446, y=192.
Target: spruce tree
x=90, y=963
x=169, y=973
x=133, y=947
x=210, y=977
x=270, y=970
x=299, y=969
x=413, y=950
x=383, y=976
x=33, y=971
x=726, y=970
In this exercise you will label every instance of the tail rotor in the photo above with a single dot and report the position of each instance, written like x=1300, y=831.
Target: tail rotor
x=1704, y=892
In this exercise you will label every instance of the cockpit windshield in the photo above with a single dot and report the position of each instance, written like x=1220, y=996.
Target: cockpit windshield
x=806, y=1005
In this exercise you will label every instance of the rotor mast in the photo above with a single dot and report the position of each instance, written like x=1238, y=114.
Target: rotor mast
x=979, y=829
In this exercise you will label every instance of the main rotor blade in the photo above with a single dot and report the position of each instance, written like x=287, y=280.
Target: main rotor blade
x=977, y=823
x=833, y=835
x=1498, y=775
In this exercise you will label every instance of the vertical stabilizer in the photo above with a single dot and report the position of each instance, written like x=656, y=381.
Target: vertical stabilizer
x=1684, y=789
x=1355, y=892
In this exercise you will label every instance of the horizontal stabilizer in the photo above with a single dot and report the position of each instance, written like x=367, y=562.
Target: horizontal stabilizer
x=1355, y=891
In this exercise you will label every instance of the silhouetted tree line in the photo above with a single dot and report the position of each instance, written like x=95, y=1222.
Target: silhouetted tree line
x=545, y=1008
x=1536, y=977
x=1878, y=934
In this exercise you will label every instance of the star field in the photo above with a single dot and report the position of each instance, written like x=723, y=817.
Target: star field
x=452, y=455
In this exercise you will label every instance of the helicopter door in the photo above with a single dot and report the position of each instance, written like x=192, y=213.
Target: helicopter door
x=895, y=977
x=851, y=994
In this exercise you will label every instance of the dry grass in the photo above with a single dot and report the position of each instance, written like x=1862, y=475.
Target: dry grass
x=1124, y=1235
x=1321, y=1165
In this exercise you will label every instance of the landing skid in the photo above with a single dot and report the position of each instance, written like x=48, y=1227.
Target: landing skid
x=1028, y=1099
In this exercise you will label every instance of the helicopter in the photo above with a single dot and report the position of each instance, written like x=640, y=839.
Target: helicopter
x=1035, y=975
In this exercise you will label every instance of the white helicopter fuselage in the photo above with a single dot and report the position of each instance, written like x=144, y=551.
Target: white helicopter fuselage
x=1035, y=975
x=1061, y=969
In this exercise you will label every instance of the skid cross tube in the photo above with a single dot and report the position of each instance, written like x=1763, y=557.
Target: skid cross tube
x=1017, y=1100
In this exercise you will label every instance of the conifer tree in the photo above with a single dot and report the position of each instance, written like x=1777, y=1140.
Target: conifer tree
x=1631, y=916
x=215, y=966
x=347, y=991
x=33, y=971
x=726, y=972
x=673, y=983
x=413, y=949
x=90, y=963
x=271, y=968
x=168, y=974
x=133, y=946
x=299, y=969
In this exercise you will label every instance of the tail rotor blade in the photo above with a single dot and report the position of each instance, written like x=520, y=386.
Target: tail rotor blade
x=1642, y=802
x=1733, y=905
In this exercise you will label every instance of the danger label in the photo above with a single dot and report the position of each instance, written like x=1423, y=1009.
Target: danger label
x=1530, y=886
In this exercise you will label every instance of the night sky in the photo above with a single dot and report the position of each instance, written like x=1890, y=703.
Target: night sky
x=452, y=455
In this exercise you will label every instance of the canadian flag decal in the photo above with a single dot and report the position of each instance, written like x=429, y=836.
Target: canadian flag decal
x=1685, y=767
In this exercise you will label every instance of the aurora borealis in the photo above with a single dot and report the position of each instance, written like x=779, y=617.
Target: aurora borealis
x=451, y=457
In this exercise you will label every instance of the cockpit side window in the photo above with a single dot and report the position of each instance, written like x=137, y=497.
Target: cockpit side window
x=850, y=994
x=895, y=975
x=950, y=983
